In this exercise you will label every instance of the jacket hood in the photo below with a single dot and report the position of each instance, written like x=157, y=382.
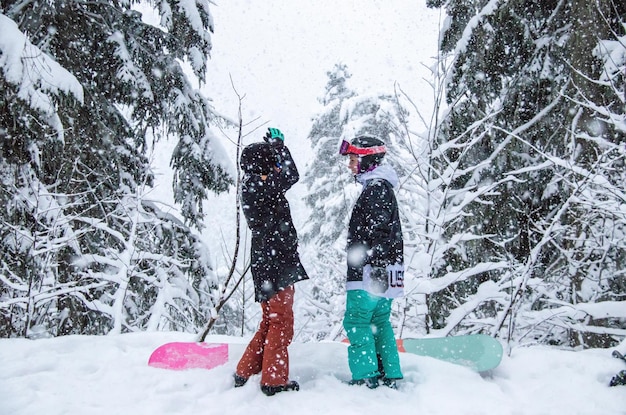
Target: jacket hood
x=384, y=171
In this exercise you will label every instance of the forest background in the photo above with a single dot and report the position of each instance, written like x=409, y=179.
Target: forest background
x=511, y=162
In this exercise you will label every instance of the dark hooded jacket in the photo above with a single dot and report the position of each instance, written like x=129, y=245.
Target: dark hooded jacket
x=375, y=231
x=274, y=256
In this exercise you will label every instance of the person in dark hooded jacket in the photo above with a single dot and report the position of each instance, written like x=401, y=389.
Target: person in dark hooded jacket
x=269, y=171
x=375, y=266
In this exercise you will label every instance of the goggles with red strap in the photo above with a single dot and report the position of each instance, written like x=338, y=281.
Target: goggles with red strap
x=347, y=148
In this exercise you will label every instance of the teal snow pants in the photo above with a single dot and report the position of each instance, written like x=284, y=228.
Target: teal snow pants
x=370, y=333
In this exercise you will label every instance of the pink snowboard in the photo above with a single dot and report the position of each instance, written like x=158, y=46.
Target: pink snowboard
x=180, y=356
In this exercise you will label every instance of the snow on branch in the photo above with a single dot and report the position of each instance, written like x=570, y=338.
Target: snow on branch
x=489, y=8
x=487, y=291
x=129, y=72
x=429, y=286
x=613, y=55
x=603, y=309
x=38, y=77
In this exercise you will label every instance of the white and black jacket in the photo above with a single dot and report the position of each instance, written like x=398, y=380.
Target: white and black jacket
x=375, y=236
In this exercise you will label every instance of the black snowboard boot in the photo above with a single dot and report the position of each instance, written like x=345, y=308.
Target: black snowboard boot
x=371, y=383
x=239, y=380
x=292, y=385
x=390, y=382
x=619, y=379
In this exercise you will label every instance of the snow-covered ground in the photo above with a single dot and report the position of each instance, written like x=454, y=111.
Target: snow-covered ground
x=109, y=375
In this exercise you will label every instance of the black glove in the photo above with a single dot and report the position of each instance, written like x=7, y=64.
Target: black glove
x=274, y=137
x=380, y=281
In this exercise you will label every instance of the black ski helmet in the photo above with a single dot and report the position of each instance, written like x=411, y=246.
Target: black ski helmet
x=257, y=158
x=368, y=162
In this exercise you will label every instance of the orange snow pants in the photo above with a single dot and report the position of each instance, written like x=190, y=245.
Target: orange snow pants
x=267, y=351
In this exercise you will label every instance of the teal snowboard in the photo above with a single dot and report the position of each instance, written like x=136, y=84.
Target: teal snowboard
x=477, y=351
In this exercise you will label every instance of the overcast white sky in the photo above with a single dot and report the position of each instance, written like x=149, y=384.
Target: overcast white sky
x=278, y=53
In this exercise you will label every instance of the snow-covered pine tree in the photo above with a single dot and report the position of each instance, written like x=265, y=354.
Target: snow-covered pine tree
x=525, y=103
x=155, y=275
x=326, y=177
x=80, y=98
x=332, y=191
x=33, y=228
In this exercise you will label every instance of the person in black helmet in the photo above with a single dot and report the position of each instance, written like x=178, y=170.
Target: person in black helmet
x=269, y=171
x=375, y=266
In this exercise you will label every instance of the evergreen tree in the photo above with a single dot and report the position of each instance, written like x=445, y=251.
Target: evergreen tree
x=326, y=178
x=80, y=98
x=523, y=138
x=324, y=172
